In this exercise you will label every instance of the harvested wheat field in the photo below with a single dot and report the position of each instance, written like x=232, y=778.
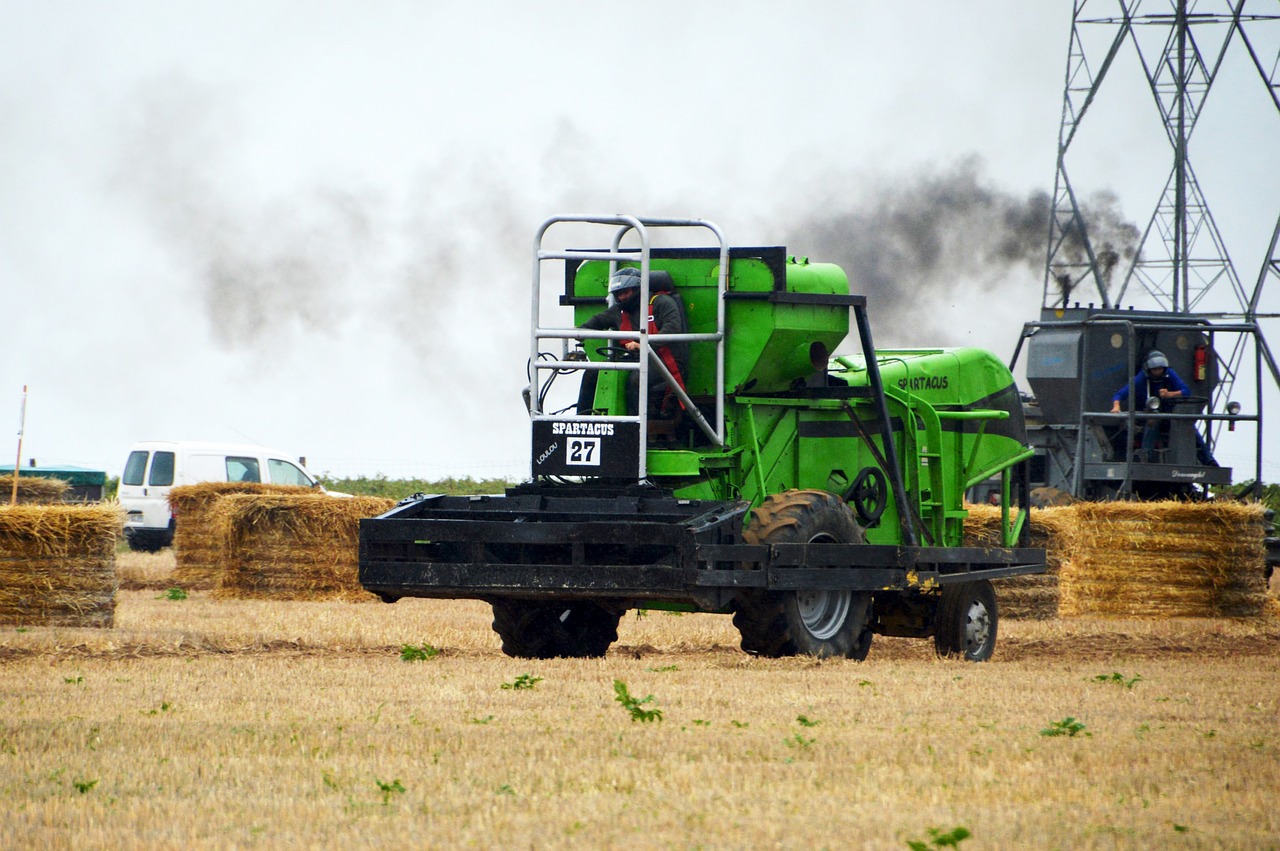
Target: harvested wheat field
x=207, y=722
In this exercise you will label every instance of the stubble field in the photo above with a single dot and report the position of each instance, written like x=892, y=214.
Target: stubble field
x=228, y=723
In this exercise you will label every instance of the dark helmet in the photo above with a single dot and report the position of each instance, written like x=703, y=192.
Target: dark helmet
x=1156, y=360
x=626, y=278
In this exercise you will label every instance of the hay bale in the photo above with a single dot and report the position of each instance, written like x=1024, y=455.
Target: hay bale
x=57, y=564
x=1165, y=559
x=1025, y=597
x=32, y=490
x=197, y=542
x=293, y=546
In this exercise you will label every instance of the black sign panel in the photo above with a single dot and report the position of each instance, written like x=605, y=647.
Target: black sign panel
x=585, y=448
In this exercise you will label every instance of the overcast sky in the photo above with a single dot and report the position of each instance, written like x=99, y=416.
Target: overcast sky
x=308, y=224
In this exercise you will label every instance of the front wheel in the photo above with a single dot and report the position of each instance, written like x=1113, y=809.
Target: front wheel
x=821, y=623
x=966, y=621
x=578, y=629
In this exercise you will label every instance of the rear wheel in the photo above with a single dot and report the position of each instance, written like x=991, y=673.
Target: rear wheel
x=810, y=622
x=967, y=621
x=541, y=630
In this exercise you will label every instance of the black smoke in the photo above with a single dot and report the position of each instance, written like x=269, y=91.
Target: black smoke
x=926, y=246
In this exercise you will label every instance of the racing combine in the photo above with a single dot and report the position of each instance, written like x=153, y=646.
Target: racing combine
x=816, y=498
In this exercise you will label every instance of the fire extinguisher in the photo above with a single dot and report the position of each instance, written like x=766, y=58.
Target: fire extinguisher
x=1200, y=362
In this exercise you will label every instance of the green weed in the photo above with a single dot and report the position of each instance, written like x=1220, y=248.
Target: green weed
x=798, y=741
x=388, y=789
x=409, y=653
x=173, y=594
x=73, y=681
x=939, y=839
x=1119, y=678
x=523, y=682
x=635, y=705
x=804, y=721
x=83, y=786
x=1068, y=726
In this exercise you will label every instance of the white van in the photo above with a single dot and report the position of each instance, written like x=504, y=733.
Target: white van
x=156, y=466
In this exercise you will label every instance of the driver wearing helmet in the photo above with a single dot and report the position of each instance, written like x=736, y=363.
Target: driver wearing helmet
x=666, y=315
x=1154, y=379
x=1157, y=379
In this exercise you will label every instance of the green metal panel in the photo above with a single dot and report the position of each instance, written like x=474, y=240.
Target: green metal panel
x=960, y=408
x=770, y=344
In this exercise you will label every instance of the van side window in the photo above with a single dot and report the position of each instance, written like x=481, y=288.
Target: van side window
x=161, y=469
x=284, y=473
x=243, y=469
x=135, y=468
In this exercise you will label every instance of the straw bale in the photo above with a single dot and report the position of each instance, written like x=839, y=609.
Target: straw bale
x=1166, y=559
x=32, y=490
x=197, y=544
x=1025, y=597
x=293, y=546
x=57, y=564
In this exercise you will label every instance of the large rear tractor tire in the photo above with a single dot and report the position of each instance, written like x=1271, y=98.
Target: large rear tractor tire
x=967, y=621
x=809, y=623
x=579, y=629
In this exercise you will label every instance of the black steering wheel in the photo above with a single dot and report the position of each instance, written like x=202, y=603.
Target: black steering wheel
x=616, y=353
x=869, y=495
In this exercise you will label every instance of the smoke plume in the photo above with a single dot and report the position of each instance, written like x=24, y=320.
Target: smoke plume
x=260, y=267
x=922, y=246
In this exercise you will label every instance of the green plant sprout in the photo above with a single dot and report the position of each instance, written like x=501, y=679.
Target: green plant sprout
x=409, y=653
x=1068, y=726
x=635, y=705
x=523, y=682
x=395, y=787
x=938, y=839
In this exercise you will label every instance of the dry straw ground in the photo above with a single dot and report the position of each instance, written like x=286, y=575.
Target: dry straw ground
x=205, y=722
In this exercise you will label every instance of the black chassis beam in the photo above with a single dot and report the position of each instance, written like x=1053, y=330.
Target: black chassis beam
x=633, y=547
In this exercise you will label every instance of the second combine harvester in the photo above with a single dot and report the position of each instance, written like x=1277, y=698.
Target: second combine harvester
x=817, y=499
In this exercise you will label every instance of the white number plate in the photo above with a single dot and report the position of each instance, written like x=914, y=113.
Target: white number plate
x=583, y=451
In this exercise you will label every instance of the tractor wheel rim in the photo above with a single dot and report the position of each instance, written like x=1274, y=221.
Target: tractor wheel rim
x=823, y=612
x=977, y=626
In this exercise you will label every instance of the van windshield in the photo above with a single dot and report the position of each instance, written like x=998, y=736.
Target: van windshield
x=284, y=473
x=134, y=468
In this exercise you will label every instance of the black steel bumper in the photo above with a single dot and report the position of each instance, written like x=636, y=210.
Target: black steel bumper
x=632, y=544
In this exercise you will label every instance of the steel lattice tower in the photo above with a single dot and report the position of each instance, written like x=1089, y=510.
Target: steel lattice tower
x=1182, y=258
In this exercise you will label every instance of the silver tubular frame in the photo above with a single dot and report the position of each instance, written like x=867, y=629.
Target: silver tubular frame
x=623, y=225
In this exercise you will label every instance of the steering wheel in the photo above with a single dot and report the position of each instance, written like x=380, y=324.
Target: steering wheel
x=616, y=353
x=869, y=495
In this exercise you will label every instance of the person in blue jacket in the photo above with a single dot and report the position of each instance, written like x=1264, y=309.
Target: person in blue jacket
x=1156, y=378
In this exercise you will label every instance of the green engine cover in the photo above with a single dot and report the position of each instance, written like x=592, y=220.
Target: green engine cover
x=775, y=338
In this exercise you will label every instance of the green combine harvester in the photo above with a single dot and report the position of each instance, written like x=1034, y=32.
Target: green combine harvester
x=817, y=499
